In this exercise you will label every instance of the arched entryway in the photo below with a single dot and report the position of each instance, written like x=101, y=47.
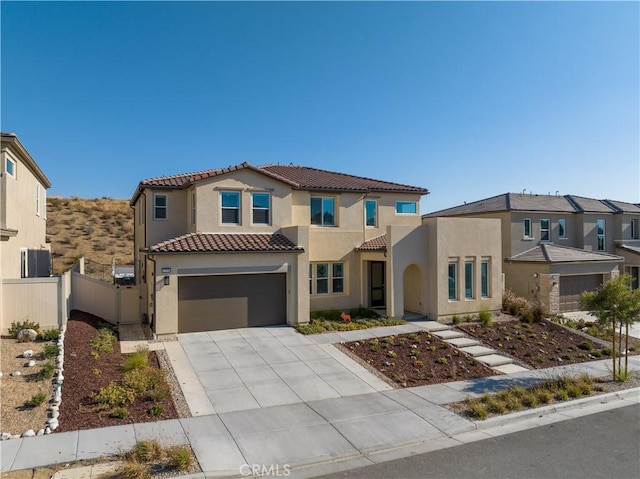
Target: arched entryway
x=412, y=287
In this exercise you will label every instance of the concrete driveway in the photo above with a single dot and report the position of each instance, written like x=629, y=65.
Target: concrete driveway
x=241, y=369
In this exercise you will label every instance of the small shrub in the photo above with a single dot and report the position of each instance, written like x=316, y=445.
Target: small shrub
x=156, y=410
x=485, y=317
x=585, y=346
x=46, y=372
x=363, y=313
x=418, y=364
x=50, y=351
x=146, y=451
x=18, y=326
x=441, y=361
x=132, y=470
x=456, y=319
x=96, y=372
x=103, y=343
x=596, y=353
x=478, y=410
x=624, y=374
x=179, y=458
x=495, y=406
x=113, y=396
x=530, y=400
x=432, y=348
x=137, y=360
x=544, y=396
x=392, y=354
x=415, y=353
x=36, y=400
x=561, y=395
x=119, y=412
x=50, y=334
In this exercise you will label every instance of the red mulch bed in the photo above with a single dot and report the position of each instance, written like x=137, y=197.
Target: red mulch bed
x=441, y=362
x=538, y=345
x=85, y=375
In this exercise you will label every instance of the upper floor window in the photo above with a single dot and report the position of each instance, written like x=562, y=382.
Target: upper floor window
x=10, y=167
x=634, y=230
x=562, y=228
x=230, y=206
x=323, y=211
x=527, y=228
x=406, y=207
x=261, y=208
x=371, y=212
x=544, y=230
x=38, y=199
x=600, y=233
x=453, y=281
x=159, y=207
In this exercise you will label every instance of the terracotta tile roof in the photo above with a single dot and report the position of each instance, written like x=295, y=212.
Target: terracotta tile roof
x=298, y=177
x=306, y=178
x=225, y=243
x=375, y=244
x=550, y=253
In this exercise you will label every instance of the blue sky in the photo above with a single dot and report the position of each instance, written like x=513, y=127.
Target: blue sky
x=468, y=100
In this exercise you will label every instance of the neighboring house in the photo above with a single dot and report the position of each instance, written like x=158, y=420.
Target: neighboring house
x=24, y=251
x=249, y=246
x=556, y=247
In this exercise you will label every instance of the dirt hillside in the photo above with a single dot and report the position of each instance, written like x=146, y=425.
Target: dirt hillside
x=98, y=229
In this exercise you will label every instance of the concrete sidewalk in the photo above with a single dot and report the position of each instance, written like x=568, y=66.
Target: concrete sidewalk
x=328, y=435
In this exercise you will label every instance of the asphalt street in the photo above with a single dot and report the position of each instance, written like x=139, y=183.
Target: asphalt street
x=603, y=445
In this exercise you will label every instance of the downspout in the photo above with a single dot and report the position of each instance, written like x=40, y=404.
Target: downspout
x=153, y=308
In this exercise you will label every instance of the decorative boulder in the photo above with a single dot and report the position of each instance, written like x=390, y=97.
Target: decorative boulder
x=27, y=335
x=29, y=433
x=27, y=354
x=31, y=364
x=16, y=373
x=0, y=374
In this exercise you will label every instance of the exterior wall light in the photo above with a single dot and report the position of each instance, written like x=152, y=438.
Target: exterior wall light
x=166, y=280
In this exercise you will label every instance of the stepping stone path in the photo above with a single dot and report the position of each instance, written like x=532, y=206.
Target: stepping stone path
x=474, y=348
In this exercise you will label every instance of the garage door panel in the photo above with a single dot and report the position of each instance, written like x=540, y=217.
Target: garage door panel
x=232, y=301
x=572, y=287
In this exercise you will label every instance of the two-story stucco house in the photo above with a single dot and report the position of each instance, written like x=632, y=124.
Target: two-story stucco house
x=556, y=247
x=24, y=252
x=248, y=246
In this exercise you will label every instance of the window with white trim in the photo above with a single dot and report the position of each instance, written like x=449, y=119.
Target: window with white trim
x=38, y=199
x=24, y=263
x=545, y=227
x=160, y=206
x=406, y=207
x=562, y=228
x=326, y=278
x=600, y=227
x=323, y=211
x=527, y=228
x=230, y=207
x=371, y=213
x=261, y=208
x=10, y=167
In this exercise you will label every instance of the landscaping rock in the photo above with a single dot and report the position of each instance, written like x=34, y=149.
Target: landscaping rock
x=16, y=373
x=4, y=436
x=47, y=430
x=27, y=354
x=28, y=433
x=53, y=424
x=40, y=432
x=27, y=335
x=31, y=364
x=0, y=374
x=54, y=414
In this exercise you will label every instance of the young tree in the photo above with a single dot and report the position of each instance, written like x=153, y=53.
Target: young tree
x=615, y=303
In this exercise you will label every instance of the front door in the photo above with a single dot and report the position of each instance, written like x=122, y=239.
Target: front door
x=376, y=281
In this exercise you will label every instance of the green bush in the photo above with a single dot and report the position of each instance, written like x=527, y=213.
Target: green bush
x=137, y=360
x=51, y=351
x=156, y=410
x=113, y=396
x=18, y=326
x=316, y=326
x=363, y=313
x=46, y=372
x=36, y=400
x=119, y=412
x=146, y=451
x=327, y=315
x=456, y=319
x=103, y=343
x=147, y=381
x=485, y=317
x=50, y=334
x=179, y=458
x=132, y=470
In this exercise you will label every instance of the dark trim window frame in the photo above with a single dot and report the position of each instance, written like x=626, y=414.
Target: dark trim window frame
x=485, y=279
x=160, y=207
x=371, y=213
x=230, y=207
x=600, y=234
x=562, y=228
x=453, y=281
x=326, y=278
x=260, y=208
x=545, y=229
x=468, y=279
x=406, y=207
x=323, y=211
x=526, y=225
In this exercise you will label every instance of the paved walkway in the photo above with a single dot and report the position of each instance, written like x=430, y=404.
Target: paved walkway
x=320, y=434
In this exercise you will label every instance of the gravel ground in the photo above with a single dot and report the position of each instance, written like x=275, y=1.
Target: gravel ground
x=182, y=408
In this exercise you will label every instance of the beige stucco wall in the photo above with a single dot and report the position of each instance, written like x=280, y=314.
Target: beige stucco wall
x=18, y=212
x=177, y=220
x=460, y=240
